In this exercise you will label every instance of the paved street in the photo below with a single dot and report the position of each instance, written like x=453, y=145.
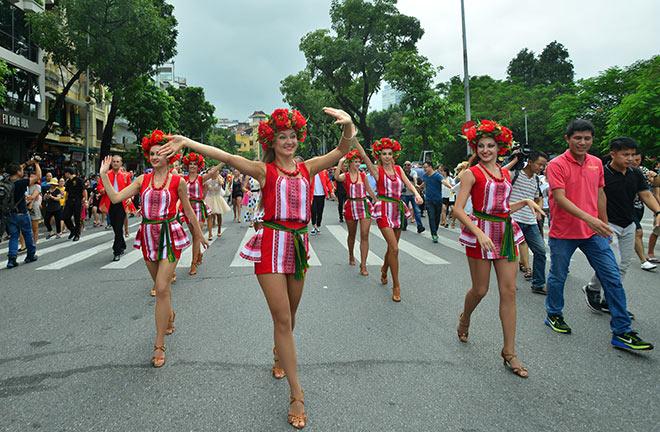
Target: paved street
x=76, y=333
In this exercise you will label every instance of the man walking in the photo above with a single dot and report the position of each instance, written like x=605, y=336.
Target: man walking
x=408, y=198
x=116, y=212
x=579, y=220
x=73, y=206
x=433, y=182
x=525, y=184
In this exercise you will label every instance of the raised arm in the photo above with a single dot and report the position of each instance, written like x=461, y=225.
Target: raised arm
x=331, y=158
x=256, y=169
x=210, y=172
x=339, y=172
x=127, y=192
x=373, y=169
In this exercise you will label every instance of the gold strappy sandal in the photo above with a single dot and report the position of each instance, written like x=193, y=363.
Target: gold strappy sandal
x=298, y=421
x=170, y=325
x=462, y=329
x=520, y=371
x=278, y=372
x=158, y=362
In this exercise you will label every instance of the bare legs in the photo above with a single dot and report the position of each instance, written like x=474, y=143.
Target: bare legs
x=392, y=261
x=161, y=273
x=209, y=225
x=196, y=252
x=237, y=203
x=352, y=230
x=219, y=216
x=364, y=242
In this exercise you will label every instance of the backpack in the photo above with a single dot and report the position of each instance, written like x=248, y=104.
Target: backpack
x=7, y=203
x=538, y=182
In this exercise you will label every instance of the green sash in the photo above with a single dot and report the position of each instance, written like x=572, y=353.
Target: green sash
x=298, y=246
x=402, y=207
x=203, y=204
x=165, y=241
x=366, y=205
x=508, y=247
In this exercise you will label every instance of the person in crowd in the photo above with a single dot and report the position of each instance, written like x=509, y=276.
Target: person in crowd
x=61, y=186
x=19, y=221
x=526, y=184
x=489, y=234
x=623, y=184
x=389, y=211
x=34, y=200
x=322, y=189
x=215, y=201
x=253, y=194
x=649, y=175
x=117, y=212
x=408, y=197
x=357, y=208
x=46, y=181
x=160, y=236
x=74, y=200
x=340, y=192
x=433, y=184
x=52, y=209
x=237, y=194
x=456, y=188
x=545, y=189
x=280, y=247
x=94, y=202
x=447, y=184
x=579, y=220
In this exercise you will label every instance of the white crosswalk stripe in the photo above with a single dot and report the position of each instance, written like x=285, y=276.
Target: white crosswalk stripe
x=423, y=256
x=341, y=234
x=130, y=258
x=240, y=262
x=80, y=256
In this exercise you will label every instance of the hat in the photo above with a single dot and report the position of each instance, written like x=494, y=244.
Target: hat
x=53, y=182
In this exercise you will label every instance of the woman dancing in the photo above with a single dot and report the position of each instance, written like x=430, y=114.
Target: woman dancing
x=357, y=208
x=389, y=210
x=489, y=235
x=215, y=200
x=160, y=236
x=280, y=247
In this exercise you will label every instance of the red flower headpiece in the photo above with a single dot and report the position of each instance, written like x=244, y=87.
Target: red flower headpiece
x=352, y=156
x=473, y=131
x=157, y=137
x=195, y=158
x=176, y=157
x=385, y=143
x=281, y=119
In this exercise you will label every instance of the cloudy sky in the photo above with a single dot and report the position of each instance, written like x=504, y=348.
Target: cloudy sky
x=239, y=51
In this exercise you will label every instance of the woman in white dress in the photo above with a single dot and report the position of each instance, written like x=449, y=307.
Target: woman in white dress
x=215, y=201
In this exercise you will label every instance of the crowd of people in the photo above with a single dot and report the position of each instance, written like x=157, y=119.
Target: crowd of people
x=590, y=204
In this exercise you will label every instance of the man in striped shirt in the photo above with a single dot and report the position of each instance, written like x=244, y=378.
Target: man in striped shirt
x=526, y=185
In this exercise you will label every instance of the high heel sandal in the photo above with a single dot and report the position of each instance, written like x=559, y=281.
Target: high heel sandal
x=396, y=294
x=199, y=258
x=363, y=270
x=158, y=362
x=170, y=325
x=193, y=268
x=383, y=276
x=298, y=421
x=351, y=261
x=462, y=329
x=520, y=371
x=278, y=372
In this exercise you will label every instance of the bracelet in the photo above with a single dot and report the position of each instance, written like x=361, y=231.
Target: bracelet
x=352, y=136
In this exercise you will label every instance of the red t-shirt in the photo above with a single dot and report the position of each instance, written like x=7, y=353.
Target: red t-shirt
x=580, y=183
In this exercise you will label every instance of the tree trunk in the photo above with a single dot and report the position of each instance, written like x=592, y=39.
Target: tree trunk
x=38, y=142
x=106, y=141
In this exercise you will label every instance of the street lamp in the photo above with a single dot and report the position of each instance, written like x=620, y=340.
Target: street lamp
x=526, y=139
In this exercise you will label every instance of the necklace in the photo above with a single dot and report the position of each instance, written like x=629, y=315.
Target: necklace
x=500, y=179
x=153, y=182
x=293, y=173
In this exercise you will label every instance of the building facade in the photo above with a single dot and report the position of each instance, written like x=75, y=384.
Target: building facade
x=390, y=96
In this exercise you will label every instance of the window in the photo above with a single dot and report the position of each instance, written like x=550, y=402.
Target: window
x=99, y=129
x=22, y=92
x=15, y=32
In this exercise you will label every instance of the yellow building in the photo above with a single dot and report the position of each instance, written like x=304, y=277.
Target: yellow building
x=246, y=134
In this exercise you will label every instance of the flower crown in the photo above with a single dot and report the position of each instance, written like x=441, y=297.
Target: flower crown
x=474, y=131
x=281, y=119
x=352, y=156
x=386, y=143
x=195, y=158
x=157, y=137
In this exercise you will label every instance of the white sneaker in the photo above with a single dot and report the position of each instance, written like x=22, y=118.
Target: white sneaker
x=648, y=266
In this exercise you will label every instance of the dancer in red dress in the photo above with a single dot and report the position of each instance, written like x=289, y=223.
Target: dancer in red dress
x=280, y=246
x=489, y=235
x=389, y=210
x=160, y=236
x=357, y=208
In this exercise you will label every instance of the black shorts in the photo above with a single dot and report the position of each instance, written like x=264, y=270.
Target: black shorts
x=637, y=216
x=445, y=201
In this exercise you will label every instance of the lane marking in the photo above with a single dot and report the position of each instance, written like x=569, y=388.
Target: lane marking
x=341, y=234
x=80, y=256
x=424, y=256
x=130, y=258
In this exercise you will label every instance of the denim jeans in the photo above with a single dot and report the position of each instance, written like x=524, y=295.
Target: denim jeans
x=623, y=246
x=537, y=246
x=407, y=199
x=20, y=223
x=601, y=258
x=435, y=210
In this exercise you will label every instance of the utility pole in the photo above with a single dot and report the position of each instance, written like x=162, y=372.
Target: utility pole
x=466, y=75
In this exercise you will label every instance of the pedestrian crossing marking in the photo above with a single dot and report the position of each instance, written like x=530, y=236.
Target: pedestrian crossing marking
x=341, y=234
x=72, y=259
x=240, y=262
x=425, y=257
x=130, y=258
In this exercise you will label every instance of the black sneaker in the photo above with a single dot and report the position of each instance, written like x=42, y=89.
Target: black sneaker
x=72, y=235
x=29, y=259
x=630, y=341
x=557, y=324
x=116, y=257
x=420, y=229
x=76, y=237
x=606, y=309
x=539, y=290
x=593, y=300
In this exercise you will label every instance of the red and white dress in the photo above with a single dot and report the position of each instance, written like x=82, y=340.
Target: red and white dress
x=357, y=206
x=489, y=196
x=286, y=202
x=160, y=235
x=196, y=197
x=389, y=207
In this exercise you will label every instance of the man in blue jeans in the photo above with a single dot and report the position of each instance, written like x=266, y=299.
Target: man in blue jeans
x=408, y=198
x=579, y=220
x=19, y=218
x=525, y=184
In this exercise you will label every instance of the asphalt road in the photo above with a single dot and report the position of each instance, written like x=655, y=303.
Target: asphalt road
x=76, y=339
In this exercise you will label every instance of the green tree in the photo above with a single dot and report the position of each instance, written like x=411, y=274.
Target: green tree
x=554, y=65
x=351, y=62
x=223, y=139
x=195, y=112
x=5, y=72
x=522, y=68
x=387, y=122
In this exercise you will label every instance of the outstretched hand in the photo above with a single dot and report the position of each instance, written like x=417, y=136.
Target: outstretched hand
x=173, y=146
x=341, y=116
x=105, y=165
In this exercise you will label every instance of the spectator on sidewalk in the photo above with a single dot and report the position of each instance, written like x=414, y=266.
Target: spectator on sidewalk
x=117, y=212
x=322, y=189
x=19, y=220
x=53, y=209
x=34, y=208
x=649, y=175
x=408, y=197
x=74, y=200
x=433, y=184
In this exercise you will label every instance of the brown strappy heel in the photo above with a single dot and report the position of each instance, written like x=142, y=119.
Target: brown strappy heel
x=383, y=276
x=170, y=325
x=278, y=372
x=158, y=362
x=396, y=294
x=520, y=371
x=298, y=421
x=363, y=270
x=199, y=258
x=462, y=329
x=193, y=269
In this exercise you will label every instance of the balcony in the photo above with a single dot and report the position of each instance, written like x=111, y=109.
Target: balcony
x=33, y=5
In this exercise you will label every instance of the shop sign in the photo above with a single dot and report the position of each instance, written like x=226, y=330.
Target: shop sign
x=13, y=120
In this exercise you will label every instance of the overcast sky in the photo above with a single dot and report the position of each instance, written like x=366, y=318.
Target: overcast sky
x=240, y=50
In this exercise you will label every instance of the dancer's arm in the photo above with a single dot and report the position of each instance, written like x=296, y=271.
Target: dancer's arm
x=467, y=181
x=127, y=192
x=515, y=206
x=373, y=169
x=256, y=169
x=370, y=191
x=319, y=163
x=190, y=214
x=339, y=172
x=210, y=172
x=410, y=186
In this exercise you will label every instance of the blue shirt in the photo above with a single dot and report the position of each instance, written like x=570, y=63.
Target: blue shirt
x=433, y=183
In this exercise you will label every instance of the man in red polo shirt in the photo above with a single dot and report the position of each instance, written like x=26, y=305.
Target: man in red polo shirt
x=579, y=220
x=116, y=212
